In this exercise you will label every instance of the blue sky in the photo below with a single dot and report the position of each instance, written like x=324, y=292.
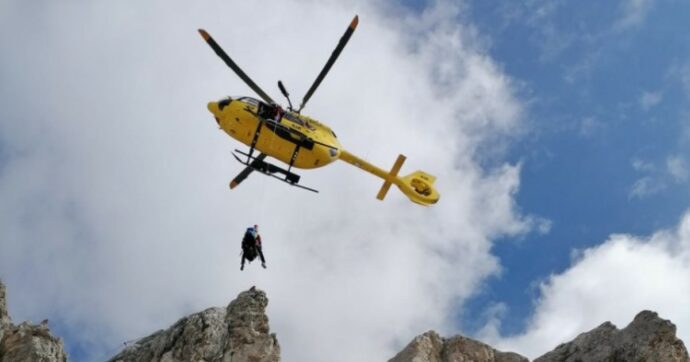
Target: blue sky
x=603, y=97
x=559, y=135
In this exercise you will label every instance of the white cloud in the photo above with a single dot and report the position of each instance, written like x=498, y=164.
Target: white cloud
x=610, y=282
x=679, y=71
x=116, y=215
x=584, y=67
x=677, y=168
x=590, y=126
x=657, y=179
x=650, y=99
x=633, y=14
x=646, y=186
x=540, y=16
x=642, y=165
x=684, y=74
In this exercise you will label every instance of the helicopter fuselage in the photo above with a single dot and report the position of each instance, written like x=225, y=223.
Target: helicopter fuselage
x=253, y=123
x=303, y=142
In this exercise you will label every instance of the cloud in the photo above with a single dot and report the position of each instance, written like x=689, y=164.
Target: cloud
x=646, y=272
x=657, y=179
x=633, y=14
x=679, y=71
x=584, y=66
x=540, y=17
x=650, y=99
x=590, y=126
x=684, y=75
x=677, y=168
x=646, y=186
x=643, y=166
x=116, y=215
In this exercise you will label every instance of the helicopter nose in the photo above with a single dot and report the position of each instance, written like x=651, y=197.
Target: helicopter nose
x=215, y=109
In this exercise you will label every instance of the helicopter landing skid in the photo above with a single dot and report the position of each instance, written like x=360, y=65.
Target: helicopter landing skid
x=269, y=169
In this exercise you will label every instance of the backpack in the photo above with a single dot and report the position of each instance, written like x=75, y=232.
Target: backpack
x=249, y=245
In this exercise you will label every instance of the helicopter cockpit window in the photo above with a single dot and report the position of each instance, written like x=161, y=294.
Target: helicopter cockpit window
x=224, y=102
x=250, y=100
x=293, y=118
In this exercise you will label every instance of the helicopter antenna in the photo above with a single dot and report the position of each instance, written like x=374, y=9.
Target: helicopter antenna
x=286, y=94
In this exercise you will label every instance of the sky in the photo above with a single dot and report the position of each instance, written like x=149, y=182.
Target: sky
x=559, y=136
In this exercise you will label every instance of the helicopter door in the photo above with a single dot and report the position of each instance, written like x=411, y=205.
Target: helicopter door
x=265, y=111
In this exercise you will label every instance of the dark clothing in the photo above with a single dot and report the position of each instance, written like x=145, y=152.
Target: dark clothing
x=261, y=253
x=251, y=247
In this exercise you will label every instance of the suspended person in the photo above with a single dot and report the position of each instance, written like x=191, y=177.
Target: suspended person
x=251, y=246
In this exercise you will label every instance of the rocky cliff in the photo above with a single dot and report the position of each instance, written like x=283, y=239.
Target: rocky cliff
x=430, y=347
x=239, y=332
x=26, y=342
x=4, y=315
x=646, y=338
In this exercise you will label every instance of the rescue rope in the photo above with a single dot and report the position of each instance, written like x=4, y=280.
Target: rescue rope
x=263, y=193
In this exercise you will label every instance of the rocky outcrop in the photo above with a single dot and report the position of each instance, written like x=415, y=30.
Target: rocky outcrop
x=430, y=347
x=4, y=315
x=646, y=338
x=27, y=342
x=239, y=332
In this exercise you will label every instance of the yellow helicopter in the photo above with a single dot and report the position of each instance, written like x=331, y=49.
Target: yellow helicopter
x=298, y=140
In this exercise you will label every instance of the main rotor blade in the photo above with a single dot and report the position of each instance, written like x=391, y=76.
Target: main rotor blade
x=336, y=52
x=247, y=170
x=221, y=53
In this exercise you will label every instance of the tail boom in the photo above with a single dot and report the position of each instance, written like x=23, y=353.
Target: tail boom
x=417, y=186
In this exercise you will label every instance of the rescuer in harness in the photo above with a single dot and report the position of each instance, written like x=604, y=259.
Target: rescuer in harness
x=251, y=246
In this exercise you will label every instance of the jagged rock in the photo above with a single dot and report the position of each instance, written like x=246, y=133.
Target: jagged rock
x=4, y=315
x=27, y=342
x=430, y=347
x=425, y=347
x=239, y=332
x=646, y=338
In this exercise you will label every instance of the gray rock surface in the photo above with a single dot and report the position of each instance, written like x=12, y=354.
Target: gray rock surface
x=27, y=342
x=646, y=338
x=430, y=347
x=5, y=320
x=4, y=316
x=239, y=332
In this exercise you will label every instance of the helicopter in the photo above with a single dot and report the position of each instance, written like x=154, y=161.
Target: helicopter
x=296, y=139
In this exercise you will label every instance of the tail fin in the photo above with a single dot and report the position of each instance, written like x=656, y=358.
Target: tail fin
x=419, y=187
x=392, y=175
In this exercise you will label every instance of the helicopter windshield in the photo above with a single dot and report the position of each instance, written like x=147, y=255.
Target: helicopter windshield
x=224, y=102
x=293, y=118
x=252, y=101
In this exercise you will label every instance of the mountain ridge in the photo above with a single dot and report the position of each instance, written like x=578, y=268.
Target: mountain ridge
x=241, y=332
